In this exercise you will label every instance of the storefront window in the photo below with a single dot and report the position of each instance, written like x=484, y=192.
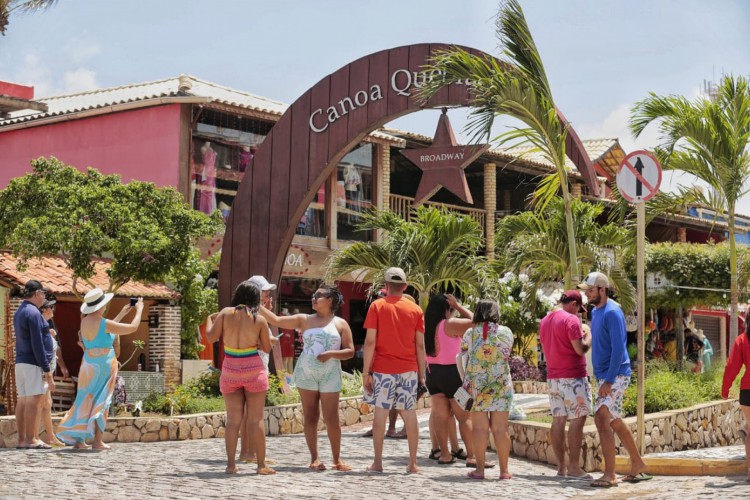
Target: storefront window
x=354, y=192
x=313, y=221
x=219, y=160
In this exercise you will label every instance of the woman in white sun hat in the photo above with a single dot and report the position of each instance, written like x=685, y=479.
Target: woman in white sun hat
x=96, y=378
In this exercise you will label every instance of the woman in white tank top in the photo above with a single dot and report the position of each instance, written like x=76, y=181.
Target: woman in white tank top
x=327, y=340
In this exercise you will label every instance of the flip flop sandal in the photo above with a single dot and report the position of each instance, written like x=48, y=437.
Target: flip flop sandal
x=474, y=475
x=447, y=462
x=637, y=478
x=460, y=454
x=435, y=454
x=603, y=483
x=41, y=446
x=505, y=476
x=341, y=466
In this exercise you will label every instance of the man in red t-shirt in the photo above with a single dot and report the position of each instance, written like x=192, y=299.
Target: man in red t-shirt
x=394, y=363
x=565, y=344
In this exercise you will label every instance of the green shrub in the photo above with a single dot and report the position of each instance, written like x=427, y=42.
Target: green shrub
x=207, y=385
x=666, y=388
x=274, y=396
x=156, y=403
x=351, y=384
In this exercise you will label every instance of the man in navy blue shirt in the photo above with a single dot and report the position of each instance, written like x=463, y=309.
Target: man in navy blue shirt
x=33, y=375
x=612, y=369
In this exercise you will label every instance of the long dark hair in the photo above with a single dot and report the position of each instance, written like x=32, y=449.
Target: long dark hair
x=486, y=311
x=434, y=314
x=247, y=295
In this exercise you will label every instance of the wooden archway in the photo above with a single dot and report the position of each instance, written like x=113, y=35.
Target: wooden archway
x=309, y=140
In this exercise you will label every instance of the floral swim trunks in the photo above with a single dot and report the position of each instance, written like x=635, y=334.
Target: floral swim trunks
x=570, y=397
x=614, y=400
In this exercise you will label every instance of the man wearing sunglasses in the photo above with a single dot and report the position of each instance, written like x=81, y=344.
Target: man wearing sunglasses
x=33, y=374
x=394, y=363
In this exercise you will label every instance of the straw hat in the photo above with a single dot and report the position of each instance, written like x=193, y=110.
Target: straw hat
x=95, y=300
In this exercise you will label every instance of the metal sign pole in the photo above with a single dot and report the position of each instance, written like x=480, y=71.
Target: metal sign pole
x=640, y=268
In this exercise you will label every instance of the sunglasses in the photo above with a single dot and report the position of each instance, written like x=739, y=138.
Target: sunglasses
x=318, y=295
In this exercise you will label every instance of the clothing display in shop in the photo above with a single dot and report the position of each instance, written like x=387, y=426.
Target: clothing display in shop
x=245, y=157
x=353, y=191
x=205, y=198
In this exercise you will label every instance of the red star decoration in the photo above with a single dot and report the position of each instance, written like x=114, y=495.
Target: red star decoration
x=443, y=163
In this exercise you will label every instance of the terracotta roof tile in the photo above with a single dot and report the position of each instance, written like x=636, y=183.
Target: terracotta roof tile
x=53, y=273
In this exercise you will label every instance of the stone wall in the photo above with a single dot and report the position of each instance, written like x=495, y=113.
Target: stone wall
x=530, y=387
x=701, y=426
x=278, y=419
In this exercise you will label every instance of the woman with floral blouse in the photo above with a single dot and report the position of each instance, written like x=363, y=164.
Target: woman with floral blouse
x=488, y=348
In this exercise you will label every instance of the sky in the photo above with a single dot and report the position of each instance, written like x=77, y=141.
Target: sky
x=601, y=56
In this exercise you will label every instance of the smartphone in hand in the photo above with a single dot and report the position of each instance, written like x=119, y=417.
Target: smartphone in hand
x=133, y=301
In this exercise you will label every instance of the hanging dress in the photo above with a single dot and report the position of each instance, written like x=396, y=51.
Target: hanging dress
x=96, y=383
x=207, y=203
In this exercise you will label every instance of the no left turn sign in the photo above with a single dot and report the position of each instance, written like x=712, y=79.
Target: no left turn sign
x=639, y=176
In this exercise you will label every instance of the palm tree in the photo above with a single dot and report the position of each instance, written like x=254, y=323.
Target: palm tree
x=516, y=87
x=8, y=7
x=709, y=139
x=536, y=243
x=438, y=250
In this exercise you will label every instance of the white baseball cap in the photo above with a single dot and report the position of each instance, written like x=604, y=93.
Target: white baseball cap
x=262, y=283
x=594, y=280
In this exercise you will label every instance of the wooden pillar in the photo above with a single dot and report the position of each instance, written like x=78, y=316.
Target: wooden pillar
x=575, y=190
x=383, y=180
x=682, y=235
x=490, y=206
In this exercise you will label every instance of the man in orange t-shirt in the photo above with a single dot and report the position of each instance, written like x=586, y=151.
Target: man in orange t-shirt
x=394, y=363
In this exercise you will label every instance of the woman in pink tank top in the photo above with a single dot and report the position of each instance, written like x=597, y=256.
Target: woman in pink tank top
x=442, y=339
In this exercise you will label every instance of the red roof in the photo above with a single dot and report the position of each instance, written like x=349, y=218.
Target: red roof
x=54, y=274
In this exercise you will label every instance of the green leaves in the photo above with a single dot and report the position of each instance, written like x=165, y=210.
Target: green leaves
x=515, y=87
x=536, y=243
x=57, y=210
x=438, y=250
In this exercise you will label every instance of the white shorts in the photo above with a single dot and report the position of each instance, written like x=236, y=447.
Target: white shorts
x=613, y=401
x=30, y=380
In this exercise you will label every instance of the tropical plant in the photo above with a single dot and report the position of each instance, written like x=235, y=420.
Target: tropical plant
x=8, y=7
x=439, y=250
x=197, y=299
x=708, y=138
x=517, y=87
x=139, y=345
x=536, y=243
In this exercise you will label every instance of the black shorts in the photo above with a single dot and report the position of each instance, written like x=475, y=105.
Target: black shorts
x=744, y=397
x=443, y=379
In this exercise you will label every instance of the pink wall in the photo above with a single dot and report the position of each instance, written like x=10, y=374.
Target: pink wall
x=141, y=144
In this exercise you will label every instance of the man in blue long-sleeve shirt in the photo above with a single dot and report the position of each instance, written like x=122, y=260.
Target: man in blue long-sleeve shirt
x=612, y=369
x=33, y=375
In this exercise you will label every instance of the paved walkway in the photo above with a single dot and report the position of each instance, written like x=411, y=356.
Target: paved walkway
x=736, y=452
x=195, y=469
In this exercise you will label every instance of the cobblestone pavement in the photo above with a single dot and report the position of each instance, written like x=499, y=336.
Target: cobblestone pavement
x=195, y=469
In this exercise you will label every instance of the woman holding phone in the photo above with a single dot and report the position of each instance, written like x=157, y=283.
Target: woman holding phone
x=327, y=340
x=97, y=376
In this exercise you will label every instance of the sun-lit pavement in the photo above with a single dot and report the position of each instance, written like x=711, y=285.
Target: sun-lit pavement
x=195, y=469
